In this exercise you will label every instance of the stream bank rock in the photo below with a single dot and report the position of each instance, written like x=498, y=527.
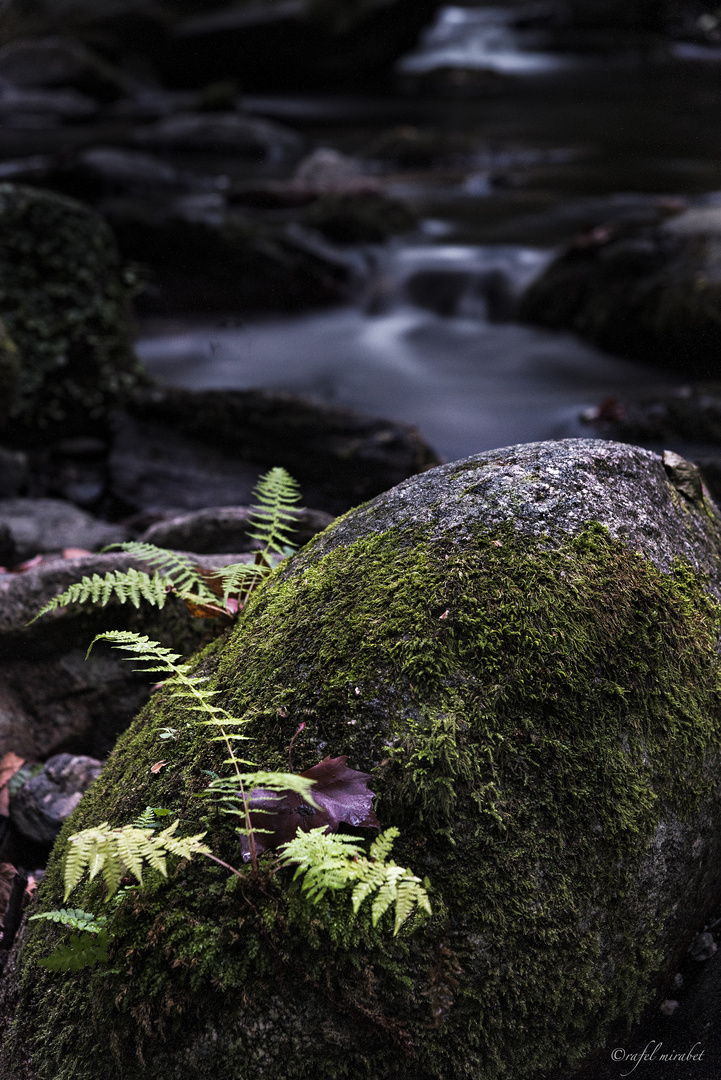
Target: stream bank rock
x=68, y=359
x=651, y=293
x=521, y=647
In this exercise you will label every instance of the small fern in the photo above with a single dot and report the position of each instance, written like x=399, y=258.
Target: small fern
x=81, y=951
x=75, y=918
x=176, y=573
x=130, y=586
x=273, y=516
x=334, y=862
x=149, y=818
x=128, y=850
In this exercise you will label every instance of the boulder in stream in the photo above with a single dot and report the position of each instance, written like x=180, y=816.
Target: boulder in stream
x=651, y=293
x=522, y=649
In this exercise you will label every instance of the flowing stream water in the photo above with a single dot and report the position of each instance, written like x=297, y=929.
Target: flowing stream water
x=560, y=144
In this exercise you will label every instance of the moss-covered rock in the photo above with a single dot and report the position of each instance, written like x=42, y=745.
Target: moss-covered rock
x=522, y=648
x=652, y=293
x=65, y=308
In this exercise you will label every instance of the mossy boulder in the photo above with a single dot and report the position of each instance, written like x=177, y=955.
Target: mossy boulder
x=65, y=308
x=522, y=647
x=652, y=293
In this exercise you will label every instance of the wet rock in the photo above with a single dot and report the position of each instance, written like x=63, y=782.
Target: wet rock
x=339, y=457
x=495, y=605
x=60, y=61
x=41, y=806
x=227, y=528
x=232, y=133
x=42, y=525
x=649, y=293
x=64, y=305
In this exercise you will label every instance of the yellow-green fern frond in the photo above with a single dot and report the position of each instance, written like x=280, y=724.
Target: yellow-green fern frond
x=114, y=853
x=277, y=493
x=128, y=586
x=329, y=863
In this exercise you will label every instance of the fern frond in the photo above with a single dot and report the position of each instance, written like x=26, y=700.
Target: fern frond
x=129, y=586
x=149, y=817
x=75, y=918
x=239, y=579
x=273, y=516
x=329, y=863
x=178, y=571
x=80, y=952
x=117, y=852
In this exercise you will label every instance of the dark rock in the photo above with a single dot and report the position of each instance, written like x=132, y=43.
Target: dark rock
x=21, y=107
x=60, y=61
x=155, y=467
x=13, y=473
x=684, y=476
x=649, y=293
x=41, y=806
x=496, y=607
x=10, y=374
x=52, y=697
x=293, y=45
x=103, y=171
x=356, y=218
x=65, y=308
x=230, y=133
x=339, y=457
x=42, y=525
x=227, y=528
x=204, y=258
x=8, y=551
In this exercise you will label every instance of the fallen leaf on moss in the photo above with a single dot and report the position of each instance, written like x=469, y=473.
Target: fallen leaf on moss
x=342, y=796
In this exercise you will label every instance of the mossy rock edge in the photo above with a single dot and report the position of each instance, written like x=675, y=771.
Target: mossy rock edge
x=523, y=649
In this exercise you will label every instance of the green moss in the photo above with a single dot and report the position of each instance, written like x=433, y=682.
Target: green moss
x=530, y=714
x=66, y=309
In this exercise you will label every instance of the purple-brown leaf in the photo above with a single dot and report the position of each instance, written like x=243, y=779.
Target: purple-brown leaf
x=341, y=793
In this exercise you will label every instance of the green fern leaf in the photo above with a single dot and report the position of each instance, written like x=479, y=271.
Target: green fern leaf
x=178, y=571
x=75, y=918
x=331, y=862
x=81, y=951
x=117, y=852
x=125, y=586
x=273, y=516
